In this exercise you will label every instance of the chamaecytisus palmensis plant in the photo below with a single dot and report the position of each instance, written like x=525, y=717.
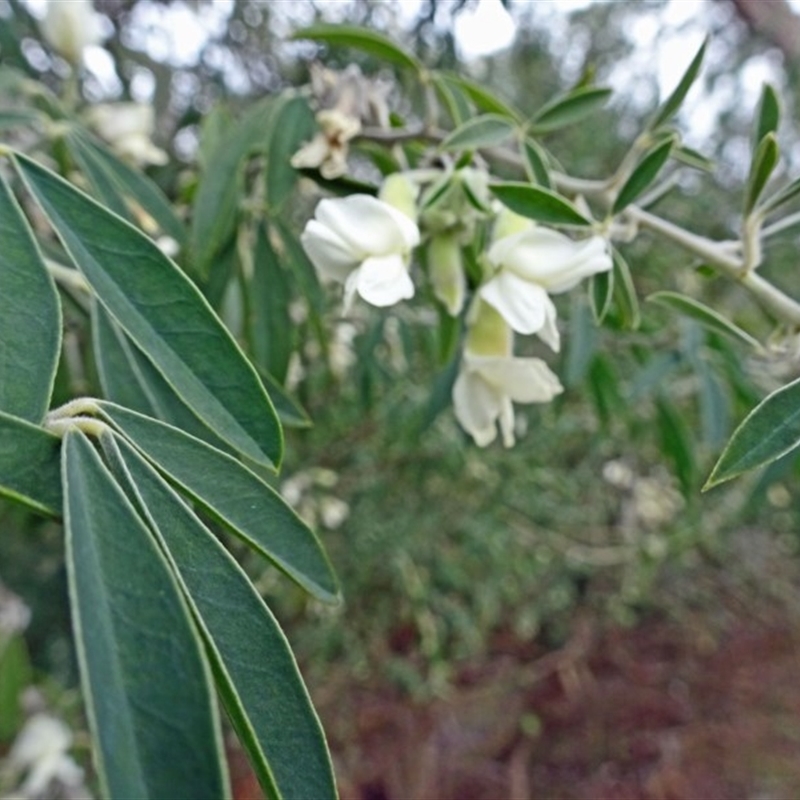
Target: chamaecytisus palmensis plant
x=180, y=446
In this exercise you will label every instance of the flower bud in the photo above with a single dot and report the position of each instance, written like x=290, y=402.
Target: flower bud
x=401, y=193
x=70, y=26
x=446, y=271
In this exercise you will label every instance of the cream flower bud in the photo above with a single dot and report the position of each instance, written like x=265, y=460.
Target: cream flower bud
x=127, y=127
x=70, y=26
x=446, y=271
x=365, y=244
x=491, y=379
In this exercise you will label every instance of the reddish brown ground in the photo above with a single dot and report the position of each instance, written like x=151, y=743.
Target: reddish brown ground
x=660, y=711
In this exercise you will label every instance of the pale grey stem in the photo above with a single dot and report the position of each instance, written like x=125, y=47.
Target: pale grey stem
x=66, y=276
x=777, y=302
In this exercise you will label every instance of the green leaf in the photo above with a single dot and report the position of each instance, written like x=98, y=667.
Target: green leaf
x=765, y=160
x=129, y=379
x=645, y=172
x=483, y=131
x=16, y=117
x=538, y=204
x=625, y=297
x=254, y=667
x=164, y=314
x=29, y=465
x=145, y=680
x=131, y=184
x=289, y=410
x=270, y=327
x=291, y=124
x=783, y=196
x=704, y=315
x=690, y=157
x=769, y=431
x=483, y=99
x=676, y=442
x=250, y=508
x=601, y=293
x=569, y=108
x=535, y=162
x=675, y=100
x=768, y=116
x=30, y=317
x=216, y=203
x=363, y=39
x=453, y=98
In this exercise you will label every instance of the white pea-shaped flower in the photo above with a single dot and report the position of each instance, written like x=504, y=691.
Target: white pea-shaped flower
x=70, y=26
x=530, y=265
x=365, y=244
x=491, y=379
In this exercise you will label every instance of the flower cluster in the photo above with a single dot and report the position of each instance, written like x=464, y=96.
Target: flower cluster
x=366, y=243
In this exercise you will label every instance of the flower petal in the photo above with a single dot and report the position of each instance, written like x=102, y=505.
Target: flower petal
x=369, y=226
x=330, y=254
x=549, y=258
x=523, y=380
x=523, y=305
x=477, y=406
x=384, y=280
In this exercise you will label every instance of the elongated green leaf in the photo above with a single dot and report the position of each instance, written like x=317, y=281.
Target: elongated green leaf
x=291, y=124
x=116, y=366
x=601, y=294
x=569, y=108
x=270, y=327
x=764, y=162
x=14, y=117
x=235, y=496
x=453, y=99
x=130, y=380
x=30, y=317
x=625, y=297
x=483, y=131
x=131, y=184
x=676, y=442
x=535, y=162
x=363, y=39
x=145, y=680
x=254, y=667
x=103, y=186
x=690, y=157
x=768, y=116
x=704, y=315
x=768, y=432
x=290, y=412
x=164, y=314
x=29, y=465
x=216, y=202
x=538, y=204
x=783, y=196
x=675, y=100
x=483, y=99
x=645, y=172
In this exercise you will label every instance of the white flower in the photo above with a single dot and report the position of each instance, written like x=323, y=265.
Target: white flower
x=365, y=244
x=40, y=750
x=128, y=128
x=69, y=26
x=491, y=379
x=532, y=264
x=328, y=149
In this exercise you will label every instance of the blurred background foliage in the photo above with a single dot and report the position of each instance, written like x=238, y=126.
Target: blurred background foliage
x=446, y=551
